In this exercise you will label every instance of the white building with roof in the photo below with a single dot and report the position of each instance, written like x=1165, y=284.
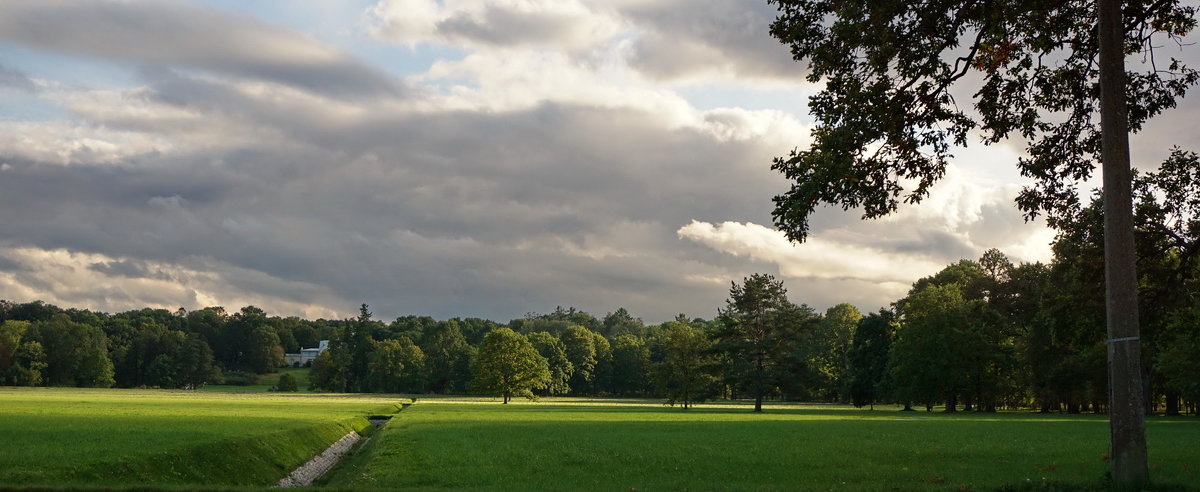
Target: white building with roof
x=306, y=355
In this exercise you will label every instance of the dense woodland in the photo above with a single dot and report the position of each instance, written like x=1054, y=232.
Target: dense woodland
x=978, y=335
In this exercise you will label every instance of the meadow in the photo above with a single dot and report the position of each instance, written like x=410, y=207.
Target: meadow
x=70, y=436
x=564, y=445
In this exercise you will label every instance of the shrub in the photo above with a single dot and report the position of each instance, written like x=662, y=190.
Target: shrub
x=241, y=378
x=287, y=382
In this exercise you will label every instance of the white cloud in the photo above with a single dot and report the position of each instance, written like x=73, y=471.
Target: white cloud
x=816, y=258
x=101, y=282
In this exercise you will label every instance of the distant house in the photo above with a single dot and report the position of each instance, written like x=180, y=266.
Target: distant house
x=306, y=355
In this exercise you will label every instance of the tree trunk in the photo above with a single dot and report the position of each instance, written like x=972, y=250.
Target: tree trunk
x=1127, y=424
x=1172, y=403
x=506, y=397
x=758, y=384
x=952, y=403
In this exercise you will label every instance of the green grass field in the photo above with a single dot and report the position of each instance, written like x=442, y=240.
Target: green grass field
x=530, y=446
x=63, y=437
x=71, y=436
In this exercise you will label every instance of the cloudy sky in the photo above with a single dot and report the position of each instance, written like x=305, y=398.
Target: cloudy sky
x=440, y=157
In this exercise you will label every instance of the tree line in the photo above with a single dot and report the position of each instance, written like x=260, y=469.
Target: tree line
x=980, y=335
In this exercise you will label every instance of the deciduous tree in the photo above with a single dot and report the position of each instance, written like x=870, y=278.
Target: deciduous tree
x=507, y=365
x=888, y=115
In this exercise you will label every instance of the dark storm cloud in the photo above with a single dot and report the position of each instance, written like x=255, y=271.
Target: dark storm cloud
x=159, y=33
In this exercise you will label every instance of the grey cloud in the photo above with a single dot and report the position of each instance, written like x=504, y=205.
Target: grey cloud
x=127, y=268
x=160, y=33
x=451, y=213
x=10, y=265
x=686, y=37
x=505, y=27
x=15, y=79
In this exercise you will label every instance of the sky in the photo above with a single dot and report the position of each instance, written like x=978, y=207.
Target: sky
x=443, y=158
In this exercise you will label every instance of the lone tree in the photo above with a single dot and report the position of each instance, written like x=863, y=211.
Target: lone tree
x=752, y=333
x=887, y=117
x=508, y=364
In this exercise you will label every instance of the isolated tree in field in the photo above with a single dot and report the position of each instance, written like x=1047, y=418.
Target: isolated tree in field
x=751, y=333
x=888, y=115
x=507, y=364
x=684, y=375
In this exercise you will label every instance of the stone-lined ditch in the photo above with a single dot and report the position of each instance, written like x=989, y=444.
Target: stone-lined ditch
x=323, y=462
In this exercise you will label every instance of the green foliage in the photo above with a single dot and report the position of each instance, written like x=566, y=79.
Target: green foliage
x=684, y=375
x=555, y=353
x=396, y=366
x=930, y=357
x=868, y=357
x=886, y=115
x=830, y=348
x=448, y=358
x=580, y=348
x=620, y=322
x=1178, y=362
x=240, y=378
x=288, y=383
x=756, y=324
x=631, y=366
x=21, y=361
x=75, y=354
x=507, y=365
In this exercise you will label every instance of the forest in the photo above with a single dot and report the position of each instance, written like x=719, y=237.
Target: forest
x=981, y=334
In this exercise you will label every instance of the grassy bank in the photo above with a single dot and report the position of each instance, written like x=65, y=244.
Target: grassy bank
x=69, y=436
x=264, y=384
x=527, y=446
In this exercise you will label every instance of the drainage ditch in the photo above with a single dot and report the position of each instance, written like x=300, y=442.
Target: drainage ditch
x=323, y=462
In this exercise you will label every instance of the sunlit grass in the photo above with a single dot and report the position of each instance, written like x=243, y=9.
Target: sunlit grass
x=573, y=444
x=63, y=436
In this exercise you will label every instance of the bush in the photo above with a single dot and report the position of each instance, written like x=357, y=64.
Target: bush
x=287, y=382
x=241, y=378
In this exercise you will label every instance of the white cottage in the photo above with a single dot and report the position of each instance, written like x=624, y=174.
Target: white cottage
x=306, y=355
